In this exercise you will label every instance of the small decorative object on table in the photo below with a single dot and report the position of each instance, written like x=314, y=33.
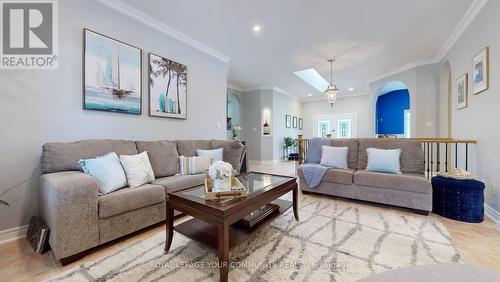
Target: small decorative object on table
x=222, y=183
x=38, y=235
x=253, y=218
x=458, y=198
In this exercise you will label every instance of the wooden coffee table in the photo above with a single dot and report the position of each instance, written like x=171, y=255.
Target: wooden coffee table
x=213, y=220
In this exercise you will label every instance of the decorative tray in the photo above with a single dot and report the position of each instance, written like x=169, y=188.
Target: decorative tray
x=457, y=176
x=237, y=190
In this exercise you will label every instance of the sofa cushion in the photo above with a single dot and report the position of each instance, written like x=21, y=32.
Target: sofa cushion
x=409, y=182
x=180, y=182
x=333, y=175
x=58, y=157
x=352, y=153
x=128, y=199
x=162, y=155
x=412, y=155
x=233, y=151
x=188, y=148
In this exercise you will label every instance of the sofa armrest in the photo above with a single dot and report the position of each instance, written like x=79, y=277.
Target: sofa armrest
x=68, y=204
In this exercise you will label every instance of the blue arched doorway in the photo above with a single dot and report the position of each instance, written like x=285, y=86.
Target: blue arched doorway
x=393, y=110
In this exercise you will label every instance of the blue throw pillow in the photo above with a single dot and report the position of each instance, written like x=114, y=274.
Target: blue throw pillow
x=216, y=154
x=380, y=160
x=107, y=170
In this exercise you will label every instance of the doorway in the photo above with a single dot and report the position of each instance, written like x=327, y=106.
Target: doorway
x=392, y=113
x=339, y=125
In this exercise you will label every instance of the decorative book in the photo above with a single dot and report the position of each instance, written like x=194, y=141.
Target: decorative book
x=253, y=218
x=38, y=235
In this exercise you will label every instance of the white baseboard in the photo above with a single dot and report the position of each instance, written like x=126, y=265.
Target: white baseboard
x=270, y=162
x=492, y=214
x=13, y=234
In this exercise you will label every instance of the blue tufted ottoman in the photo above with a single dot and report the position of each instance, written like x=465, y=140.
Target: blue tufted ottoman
x=458, y=199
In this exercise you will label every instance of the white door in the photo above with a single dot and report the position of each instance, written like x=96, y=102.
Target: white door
x=339, y=126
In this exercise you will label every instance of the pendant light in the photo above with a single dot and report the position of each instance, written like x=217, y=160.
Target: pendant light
x=332, y=90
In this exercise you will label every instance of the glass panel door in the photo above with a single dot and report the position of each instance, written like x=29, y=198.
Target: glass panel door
x=344, y=128
x=324, y=128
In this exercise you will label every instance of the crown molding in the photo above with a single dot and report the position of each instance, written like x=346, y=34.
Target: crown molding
x=234, y=87
x=139, y=16
x=339, y=96
x=459, y=30
x=464, y=23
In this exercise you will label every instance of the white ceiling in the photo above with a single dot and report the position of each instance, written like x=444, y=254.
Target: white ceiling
x=367, y=38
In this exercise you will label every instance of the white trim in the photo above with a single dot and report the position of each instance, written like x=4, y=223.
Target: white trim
x=234, y=87
x=139, y=16
x=459, y=30
x=492, y=214
x=464, y=23
x=271, y=88
x=339, y=96
x=270, y=162
x=13, y=234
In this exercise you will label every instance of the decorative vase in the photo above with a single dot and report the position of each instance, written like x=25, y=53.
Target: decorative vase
x=221, y=185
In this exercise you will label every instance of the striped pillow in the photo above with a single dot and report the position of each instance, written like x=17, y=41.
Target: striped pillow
x=194, y=165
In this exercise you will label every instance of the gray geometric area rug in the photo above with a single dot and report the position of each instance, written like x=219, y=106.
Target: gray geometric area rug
x=334, y=240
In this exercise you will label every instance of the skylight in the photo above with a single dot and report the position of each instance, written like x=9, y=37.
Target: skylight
x=313, y=78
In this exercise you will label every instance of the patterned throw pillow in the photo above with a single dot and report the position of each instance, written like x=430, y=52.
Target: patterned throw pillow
x=138, y=169
x=107, y=170
x=194, y=165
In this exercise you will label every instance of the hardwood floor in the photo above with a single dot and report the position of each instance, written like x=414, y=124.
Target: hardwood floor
x=478, y=243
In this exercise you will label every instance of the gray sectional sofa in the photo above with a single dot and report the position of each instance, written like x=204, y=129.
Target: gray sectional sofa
x=79, y=218
x=410, y=189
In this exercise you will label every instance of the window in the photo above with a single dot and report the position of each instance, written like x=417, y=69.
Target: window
x=344, y=128
x=323, y=128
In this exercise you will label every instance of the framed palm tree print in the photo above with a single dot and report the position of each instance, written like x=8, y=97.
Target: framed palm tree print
x=167, y=88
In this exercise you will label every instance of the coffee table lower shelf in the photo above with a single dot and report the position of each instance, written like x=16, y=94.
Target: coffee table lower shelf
x=207, y=233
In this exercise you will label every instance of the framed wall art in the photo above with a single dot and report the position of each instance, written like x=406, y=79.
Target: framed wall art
x=112, y=74
x=167, y=88
x=462, y=91
x=480, y=71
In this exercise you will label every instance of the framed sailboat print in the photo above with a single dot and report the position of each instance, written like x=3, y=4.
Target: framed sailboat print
x=112, y=76
x=167, y=88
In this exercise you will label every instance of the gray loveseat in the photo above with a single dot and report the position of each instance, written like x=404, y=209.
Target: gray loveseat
x=79, y=218
x=410, y=189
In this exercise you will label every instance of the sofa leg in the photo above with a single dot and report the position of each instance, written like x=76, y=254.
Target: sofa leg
x=72, y=259
x=305, y=192
x=421, y=212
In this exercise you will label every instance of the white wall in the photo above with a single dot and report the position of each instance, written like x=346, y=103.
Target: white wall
x=356, y=104
x=40, y=106
x=250, y=123
x=284, y=105
x=480, y=120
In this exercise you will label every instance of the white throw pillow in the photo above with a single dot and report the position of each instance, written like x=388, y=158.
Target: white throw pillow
x=107, y=170
x=334, y=157
x=138, y=169
x=380, y=160
x=216, y=154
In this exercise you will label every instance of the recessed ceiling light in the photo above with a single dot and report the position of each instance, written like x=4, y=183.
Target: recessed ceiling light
x=256, y=28
x=309, y=94
x=350, y=89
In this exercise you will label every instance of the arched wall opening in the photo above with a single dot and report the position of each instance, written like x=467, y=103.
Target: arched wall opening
x=392, y=110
